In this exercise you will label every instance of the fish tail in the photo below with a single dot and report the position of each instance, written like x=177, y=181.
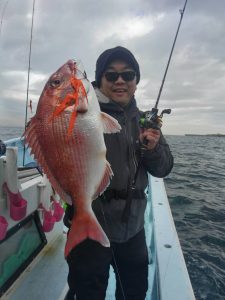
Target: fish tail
x=83, y=227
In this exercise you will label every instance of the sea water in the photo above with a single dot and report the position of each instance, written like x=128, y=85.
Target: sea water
x=196, y=192
x=7, y=133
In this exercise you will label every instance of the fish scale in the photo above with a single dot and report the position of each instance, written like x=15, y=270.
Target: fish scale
x=74, y=160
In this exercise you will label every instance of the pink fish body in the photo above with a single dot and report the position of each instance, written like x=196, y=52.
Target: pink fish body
x=66, y=138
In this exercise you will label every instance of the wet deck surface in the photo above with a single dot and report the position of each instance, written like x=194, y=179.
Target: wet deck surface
x=45, y=279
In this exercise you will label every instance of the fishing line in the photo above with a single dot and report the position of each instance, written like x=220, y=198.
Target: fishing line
x=28, y=74
x=2, y=16
x=113, y=254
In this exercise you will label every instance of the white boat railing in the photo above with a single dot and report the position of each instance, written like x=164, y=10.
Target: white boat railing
x=171, y=271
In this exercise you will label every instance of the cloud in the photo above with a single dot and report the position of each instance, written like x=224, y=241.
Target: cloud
x=129, y=27
x=194, y=86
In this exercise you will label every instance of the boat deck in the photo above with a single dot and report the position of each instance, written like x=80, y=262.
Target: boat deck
x=45, y=278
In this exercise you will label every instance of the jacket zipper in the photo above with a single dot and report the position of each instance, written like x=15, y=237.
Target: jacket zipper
x=130, y=150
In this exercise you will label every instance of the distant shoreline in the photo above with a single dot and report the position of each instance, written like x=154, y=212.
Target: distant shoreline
x=214, y=135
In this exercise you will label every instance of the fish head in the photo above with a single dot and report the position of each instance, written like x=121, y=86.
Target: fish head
x=67, y=85
x=65, y=93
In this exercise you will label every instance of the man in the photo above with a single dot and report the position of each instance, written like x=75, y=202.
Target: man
x=120, y=210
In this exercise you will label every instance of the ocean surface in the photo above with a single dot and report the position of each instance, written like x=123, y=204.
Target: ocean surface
x=196, y=192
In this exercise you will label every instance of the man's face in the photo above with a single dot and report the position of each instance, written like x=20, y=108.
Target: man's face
x=120, y=90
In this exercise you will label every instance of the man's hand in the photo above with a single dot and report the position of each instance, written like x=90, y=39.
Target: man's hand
x=151, y=136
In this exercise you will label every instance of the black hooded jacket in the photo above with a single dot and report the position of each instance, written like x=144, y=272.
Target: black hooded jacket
x=123, y=154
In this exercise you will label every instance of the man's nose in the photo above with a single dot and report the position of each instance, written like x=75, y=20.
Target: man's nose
x=120, y=79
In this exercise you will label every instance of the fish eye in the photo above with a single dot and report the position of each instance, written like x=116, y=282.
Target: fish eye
x=55, y=83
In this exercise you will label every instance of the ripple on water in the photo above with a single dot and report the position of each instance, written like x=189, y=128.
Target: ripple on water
x=196, y=189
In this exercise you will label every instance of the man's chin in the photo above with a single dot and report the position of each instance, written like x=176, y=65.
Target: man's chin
x=120, y=100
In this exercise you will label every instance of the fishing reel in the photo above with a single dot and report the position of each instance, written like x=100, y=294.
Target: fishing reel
x=151, y=119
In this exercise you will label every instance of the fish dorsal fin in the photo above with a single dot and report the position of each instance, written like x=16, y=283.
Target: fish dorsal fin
x=105, y=180
x=110, y=125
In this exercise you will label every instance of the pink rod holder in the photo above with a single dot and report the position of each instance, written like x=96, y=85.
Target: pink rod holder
x=3, y=227
x=48, y=221
x=58, y=211
x=17, y=204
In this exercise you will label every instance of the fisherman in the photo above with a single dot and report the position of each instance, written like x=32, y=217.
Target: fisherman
x=119, y=210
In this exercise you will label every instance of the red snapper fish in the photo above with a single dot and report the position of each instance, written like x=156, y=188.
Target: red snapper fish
x=66, y=138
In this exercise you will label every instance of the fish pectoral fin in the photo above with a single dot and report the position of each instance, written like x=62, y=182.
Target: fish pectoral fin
x=85, y=226
x=110, y=125
x=105, y=180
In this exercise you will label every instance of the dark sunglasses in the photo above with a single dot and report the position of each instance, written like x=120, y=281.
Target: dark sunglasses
x=126, y=75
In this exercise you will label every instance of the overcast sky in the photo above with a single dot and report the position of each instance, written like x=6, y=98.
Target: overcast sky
x=82, y=29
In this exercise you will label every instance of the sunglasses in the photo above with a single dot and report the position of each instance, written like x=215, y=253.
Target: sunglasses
x=126, y=76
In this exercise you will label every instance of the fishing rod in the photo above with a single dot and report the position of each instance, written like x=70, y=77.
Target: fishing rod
x=28, y=75
x=151, y=119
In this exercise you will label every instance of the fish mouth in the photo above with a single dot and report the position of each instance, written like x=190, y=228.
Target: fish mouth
x=77, y=69
x=82, y=110
x=70, y=110
x=79, y=109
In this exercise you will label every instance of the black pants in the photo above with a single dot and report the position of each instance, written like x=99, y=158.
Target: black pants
x=89, y=265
